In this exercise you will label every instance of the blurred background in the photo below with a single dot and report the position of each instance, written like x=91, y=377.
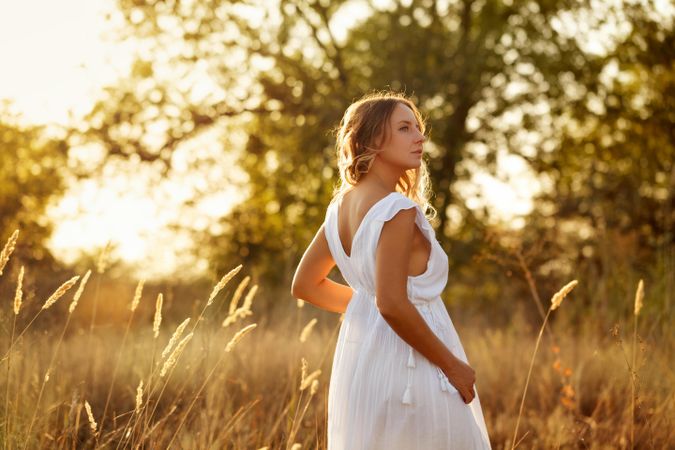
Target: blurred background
x=188, y=137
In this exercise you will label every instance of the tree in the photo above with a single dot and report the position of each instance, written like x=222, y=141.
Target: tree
x=280, y=72
x=31, y=176
x=612, y=174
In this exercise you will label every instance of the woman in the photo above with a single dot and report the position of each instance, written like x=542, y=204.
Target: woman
x=400, y=377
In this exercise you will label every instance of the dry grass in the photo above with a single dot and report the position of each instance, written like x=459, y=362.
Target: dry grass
x=556, y=301
x=253, y=395
x=8, y=249
x=264, y=385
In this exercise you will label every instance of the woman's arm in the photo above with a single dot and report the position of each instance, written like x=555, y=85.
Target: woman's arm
x=310, y=282
x=391, y=278
x=327, y=295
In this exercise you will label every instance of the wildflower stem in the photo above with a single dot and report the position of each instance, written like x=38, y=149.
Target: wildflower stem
x=527, y=381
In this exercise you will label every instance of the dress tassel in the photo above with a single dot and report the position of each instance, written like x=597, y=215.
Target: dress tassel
x=407, y=396
x=411, y=359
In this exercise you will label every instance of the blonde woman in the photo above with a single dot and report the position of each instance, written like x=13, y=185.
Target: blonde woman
x=400, y=378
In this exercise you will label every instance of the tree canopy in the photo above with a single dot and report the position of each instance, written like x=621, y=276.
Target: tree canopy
x=581, y=91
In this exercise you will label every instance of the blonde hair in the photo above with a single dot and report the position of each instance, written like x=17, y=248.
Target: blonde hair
x=362, y=123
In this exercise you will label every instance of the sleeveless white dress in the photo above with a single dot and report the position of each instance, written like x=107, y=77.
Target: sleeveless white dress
x=383, y=394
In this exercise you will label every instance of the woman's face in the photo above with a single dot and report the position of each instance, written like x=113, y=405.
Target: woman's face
x=404, y=145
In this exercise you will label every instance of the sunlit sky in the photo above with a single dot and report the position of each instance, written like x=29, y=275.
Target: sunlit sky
x=56, y=56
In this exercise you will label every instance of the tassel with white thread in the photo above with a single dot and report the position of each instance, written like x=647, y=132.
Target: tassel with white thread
x=444, y=383
x=407, y=394
x=411, y=359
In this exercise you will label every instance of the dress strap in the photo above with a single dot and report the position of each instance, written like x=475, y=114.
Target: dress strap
x=395, y=203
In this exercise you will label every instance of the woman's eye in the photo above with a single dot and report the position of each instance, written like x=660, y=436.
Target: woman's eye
x=404, y=128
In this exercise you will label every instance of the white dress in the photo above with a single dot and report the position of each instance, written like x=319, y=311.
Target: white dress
x=383, y=394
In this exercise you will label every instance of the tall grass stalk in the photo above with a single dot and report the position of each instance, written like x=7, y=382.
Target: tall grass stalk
x=101, y=265
x=175, y=338
x=228, y=348
x=157, y=320
x=639, y=295
x=55, y=353
x=8, y=249
x=48, y=303
x=166, y=372
x=17, y=307
x=177, y=396
x=134, y=303
x=556, y=300
x=151, y=386
x=140, y=415
x=314, y=387
x=92, y=423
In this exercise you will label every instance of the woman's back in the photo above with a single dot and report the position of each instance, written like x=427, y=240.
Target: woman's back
x=352, y=210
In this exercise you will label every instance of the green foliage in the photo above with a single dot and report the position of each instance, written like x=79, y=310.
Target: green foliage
x=614, y=164
x=31, y=176
x=489, y=76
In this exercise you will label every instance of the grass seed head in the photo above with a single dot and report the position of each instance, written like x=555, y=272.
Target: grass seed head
x=18, y=295
x=171, y=360
x=304, y=384
x=8, y=249
x=639, y=296
x=244, y=310
x=78, y=293
x=248, y=300
x=221, y=284
x=158, y=315
x=139, y=397
x=90, y=416
x=303, y=369
x=237, y=337
x=137, y=295
x=307, y=330
x=174, y=337
x=559, y=296
x=237, y=294
x=60, y=291
x=103, y=258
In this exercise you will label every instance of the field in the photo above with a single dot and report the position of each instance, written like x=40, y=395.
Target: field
x=100, y=364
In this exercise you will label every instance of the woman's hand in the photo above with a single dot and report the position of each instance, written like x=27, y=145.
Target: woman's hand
x=462, y=377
